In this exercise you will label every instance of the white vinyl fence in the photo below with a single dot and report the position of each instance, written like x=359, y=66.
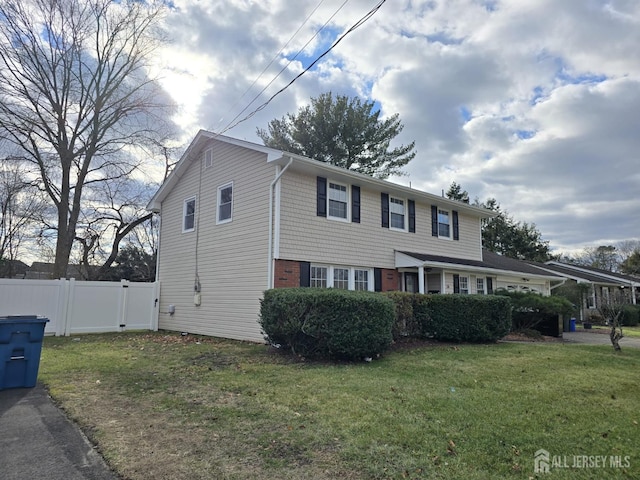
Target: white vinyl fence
x=83, y=307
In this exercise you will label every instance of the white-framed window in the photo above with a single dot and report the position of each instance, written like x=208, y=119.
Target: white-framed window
x=591, y=297
x=361, y=279
x=338, y=201
x=444, y=224
x=225, y=203
x=397, y=213
x=341, y=278
x=480, y=286
x=189, y=215
x=464, y=285
x=318, y=276
x=207, y=158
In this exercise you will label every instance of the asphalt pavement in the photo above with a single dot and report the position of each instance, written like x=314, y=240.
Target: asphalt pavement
x=38, y=442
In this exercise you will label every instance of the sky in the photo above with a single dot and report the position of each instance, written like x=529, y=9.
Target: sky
x=532, y=102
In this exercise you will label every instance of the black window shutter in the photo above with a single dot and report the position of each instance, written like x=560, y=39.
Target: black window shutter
x=305, y=274
x=412, y=216
x=489, y=285
x=384, y=203
x=322, y=197
x=456, y=229
x=377, y=279
x=456, y=284
x=355, y=204
x=434, y=220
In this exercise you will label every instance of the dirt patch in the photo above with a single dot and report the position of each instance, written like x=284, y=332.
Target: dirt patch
x=520, y=337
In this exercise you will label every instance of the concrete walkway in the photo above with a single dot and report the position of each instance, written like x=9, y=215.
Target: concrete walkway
x=38, y=442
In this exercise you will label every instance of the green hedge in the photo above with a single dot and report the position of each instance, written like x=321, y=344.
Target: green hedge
x=327, y=323
x=459, y=318
x=467, y=318
x=630, y=315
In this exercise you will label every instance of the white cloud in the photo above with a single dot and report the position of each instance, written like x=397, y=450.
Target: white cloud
x=533, y=102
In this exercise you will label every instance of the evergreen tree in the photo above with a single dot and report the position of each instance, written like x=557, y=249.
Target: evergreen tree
x=346, y=132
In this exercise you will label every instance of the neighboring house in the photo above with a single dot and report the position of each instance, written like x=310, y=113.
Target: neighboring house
x=13, y=268
x=601, y=283
x=44, y=271
x=238, y=218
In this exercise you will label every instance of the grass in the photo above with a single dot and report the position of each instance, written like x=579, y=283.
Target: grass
x=165, y=406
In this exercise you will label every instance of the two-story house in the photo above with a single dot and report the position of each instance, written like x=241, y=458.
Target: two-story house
x=238, y=218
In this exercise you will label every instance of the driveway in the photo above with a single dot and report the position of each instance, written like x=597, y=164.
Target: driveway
x=598, y=337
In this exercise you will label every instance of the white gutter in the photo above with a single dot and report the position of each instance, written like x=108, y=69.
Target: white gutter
x=271, y=194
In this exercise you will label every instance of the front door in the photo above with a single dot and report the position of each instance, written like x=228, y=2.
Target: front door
x=411, y=282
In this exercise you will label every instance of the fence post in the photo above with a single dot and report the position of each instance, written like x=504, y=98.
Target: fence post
x=68, y=316
x=122, y=307
x=155, y=312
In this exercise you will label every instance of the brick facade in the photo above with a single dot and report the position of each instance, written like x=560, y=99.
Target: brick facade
x=390, y=280
x=286, y=273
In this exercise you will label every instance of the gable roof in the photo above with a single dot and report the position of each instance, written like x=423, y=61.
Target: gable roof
x=590, y=274
x=490, y=261
x=306, y=165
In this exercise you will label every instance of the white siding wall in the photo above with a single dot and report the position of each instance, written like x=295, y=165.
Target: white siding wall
x=305, y=236
x=232, y=257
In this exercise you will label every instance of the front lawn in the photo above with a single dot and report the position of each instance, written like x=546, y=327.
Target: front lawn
x=166, y=406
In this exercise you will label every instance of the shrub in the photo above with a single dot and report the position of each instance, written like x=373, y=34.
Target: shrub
x=466, y=318
x=327, y=323
x=405, y=324
x=460, y=318
x=630, y=316
x=531, y=309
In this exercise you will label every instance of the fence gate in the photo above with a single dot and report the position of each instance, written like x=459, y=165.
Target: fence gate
x=83, y=307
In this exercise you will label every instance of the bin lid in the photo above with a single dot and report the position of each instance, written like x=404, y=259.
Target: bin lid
x=23, y=318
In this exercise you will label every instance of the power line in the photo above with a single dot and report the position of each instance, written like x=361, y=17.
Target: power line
x=283, y=69
x=359, y=23
x=274, y=59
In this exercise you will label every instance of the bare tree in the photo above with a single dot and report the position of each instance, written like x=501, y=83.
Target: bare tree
x=611, y=307
x=76, y=98
x=20, y=206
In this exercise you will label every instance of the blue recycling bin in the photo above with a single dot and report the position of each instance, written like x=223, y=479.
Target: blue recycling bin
x=572, y=325
x=20, y=348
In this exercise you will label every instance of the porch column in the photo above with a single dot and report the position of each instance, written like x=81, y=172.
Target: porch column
x=421, y=279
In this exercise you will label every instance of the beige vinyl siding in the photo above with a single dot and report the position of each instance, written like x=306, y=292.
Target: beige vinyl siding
x=305, y=236
x=232, y=257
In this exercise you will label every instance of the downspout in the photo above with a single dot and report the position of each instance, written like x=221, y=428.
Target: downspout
x=271, y=194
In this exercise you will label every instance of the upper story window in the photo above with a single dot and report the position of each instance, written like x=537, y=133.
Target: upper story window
x=444, y=229
x=189, y=215
x=444, y=223
x=225, y=203
x=338, y=199
x=396, y=213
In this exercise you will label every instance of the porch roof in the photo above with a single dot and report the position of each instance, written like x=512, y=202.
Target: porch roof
x=491, y=262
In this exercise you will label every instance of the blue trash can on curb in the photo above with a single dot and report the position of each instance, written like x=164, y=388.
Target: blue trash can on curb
x=20, y=347
x=572, y=325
